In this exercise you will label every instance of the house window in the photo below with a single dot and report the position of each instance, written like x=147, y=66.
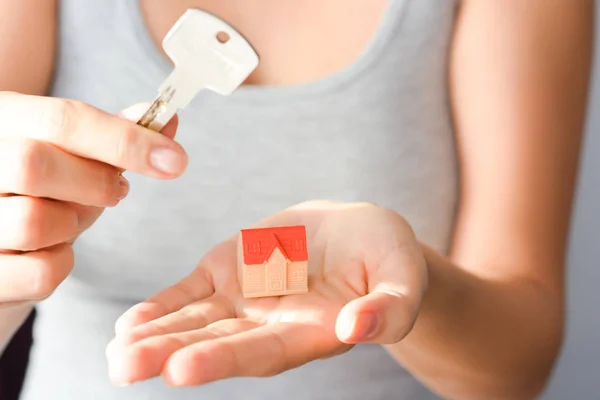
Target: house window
x=253, y=248
x=255, y=273
x=275, y=275
x=255, y=276
x=297, y=275
x=298, y=245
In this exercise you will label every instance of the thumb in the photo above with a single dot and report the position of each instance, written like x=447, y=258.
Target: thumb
x=135, y=112
x=389, y=311
x=378, y=317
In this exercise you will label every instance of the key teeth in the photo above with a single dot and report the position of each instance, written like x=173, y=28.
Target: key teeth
x=224, y=67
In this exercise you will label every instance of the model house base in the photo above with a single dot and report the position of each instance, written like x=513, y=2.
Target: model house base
x=273, y=261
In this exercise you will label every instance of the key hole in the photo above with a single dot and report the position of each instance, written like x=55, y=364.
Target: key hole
x=223, y=37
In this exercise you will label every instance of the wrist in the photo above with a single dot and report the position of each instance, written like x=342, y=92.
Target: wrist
x=444, y=287
x=481, y=338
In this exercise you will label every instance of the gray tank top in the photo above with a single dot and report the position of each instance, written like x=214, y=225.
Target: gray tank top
x=379, y=130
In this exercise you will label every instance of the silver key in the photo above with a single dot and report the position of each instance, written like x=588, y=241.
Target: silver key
x=208, y=54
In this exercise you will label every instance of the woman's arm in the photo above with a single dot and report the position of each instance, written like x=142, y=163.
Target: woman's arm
x=27, y=45
x=492, y=322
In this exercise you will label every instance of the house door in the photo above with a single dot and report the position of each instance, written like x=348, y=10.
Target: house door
x=276, y=272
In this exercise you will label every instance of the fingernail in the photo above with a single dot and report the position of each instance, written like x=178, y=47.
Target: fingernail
x=167, y=160
x=123, y=187
x=368, y=324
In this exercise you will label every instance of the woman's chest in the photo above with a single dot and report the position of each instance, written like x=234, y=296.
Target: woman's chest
x=298, y=41
x=377, y=131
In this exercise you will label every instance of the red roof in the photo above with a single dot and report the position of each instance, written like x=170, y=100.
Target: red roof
x=260, y=243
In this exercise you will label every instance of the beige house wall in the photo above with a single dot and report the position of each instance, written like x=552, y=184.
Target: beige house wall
x=276, y=277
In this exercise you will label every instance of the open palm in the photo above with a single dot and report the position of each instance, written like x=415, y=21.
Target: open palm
x=366, y=280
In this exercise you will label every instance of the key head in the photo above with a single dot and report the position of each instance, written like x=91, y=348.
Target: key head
x=212, y=54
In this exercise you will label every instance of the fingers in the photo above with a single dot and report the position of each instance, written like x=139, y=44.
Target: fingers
x=86, y=216
x=190, y=289
x=145, y=359
x=30, y=223
x=388, y=313
x=263, y=351
x=88, y=132
x=379, y=317
x=34, y=275
x=170, y=129
x=40, y=169
x=193, y=316
x=135, y=112
x=393, y=268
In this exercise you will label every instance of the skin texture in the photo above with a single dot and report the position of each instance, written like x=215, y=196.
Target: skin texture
x=205, y=320
x=26, y=68
x=295, y=54
x=56, y=180
x=73, y=153
x=27, y=43
x=519, y=79
x=484, y=322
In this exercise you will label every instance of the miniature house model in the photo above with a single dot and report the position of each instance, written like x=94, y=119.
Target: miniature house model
x=273, y=261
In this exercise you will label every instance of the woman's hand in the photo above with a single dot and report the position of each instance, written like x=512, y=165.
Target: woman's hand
x=60, y=166
x=367, y=277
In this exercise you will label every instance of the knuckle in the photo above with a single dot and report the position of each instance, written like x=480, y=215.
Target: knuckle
x=278, y=364
x=49, y=273
x=108, y=184
x=129, y=338
x=32, y=166
x=140, y=352
x=128, y=139
x=58, y=122
x=135, y=316
x=402, y=332
x=199, y=356
x=43, y=281
x=391, y=215
x=43, y=284
x=386, y=217
x=29, y=231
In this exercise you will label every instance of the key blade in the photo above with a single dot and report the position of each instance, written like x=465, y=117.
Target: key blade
x=160, y=112
x=175, y=93
x=202, y=61
x=181, y=87
x=193, y=44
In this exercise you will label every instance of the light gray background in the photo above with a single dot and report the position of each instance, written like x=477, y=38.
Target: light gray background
x=577, y=376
